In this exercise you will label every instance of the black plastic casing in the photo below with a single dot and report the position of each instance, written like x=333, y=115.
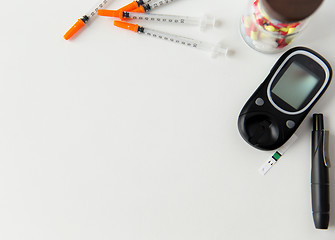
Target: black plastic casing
x=265, y=127
x=319, y=176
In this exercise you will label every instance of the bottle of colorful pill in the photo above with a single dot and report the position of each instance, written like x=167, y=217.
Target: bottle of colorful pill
x=269, y=26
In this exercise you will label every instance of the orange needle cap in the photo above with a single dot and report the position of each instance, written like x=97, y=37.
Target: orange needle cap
x=131, y=6
x=125, y=25
x=140, y=9
x=75, y=28
x=108, y=13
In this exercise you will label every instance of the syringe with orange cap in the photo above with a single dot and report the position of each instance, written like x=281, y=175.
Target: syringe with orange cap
x=215, y=49
x=86, y=18
x=133, y=5
x=141, y=6
x=151, y=6
x=203, y=22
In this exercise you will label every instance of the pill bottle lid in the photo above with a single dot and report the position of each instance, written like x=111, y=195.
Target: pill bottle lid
x=288, y=11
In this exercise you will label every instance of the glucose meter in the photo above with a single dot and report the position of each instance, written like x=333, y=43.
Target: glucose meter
x=279, y=105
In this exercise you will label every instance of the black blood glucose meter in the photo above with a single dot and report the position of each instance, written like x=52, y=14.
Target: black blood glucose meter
x=279, y=105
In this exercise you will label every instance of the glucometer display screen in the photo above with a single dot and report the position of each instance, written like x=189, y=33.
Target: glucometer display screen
x=295, y=85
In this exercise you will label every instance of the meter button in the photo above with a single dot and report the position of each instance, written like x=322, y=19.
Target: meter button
x=259, y=102
x=290, y=124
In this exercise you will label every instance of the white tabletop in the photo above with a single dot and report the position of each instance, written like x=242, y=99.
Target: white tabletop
x=116, y=135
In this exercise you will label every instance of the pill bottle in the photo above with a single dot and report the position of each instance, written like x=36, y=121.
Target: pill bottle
x=269, y=26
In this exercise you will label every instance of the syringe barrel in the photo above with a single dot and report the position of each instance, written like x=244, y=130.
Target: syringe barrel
x=164, y=18
x=148, y=1
x=205, y=46
x=173, y=38
x=100, y=5
x=159, y=3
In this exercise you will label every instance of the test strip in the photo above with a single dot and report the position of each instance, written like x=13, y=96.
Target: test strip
x=277, y=155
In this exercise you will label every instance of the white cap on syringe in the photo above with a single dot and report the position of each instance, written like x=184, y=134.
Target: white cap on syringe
x=207, y=22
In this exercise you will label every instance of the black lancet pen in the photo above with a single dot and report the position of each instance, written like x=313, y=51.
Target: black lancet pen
x=320, y=173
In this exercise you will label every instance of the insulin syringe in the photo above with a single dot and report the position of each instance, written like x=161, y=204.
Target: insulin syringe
x=215, y=49
x=151, y=6
x=203, y=22
x=86, y=18
x=134, y=5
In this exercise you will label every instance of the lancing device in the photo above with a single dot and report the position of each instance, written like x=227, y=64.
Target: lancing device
x=320, y=173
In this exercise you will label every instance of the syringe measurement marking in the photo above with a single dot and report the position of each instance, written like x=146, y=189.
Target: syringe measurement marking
x=159, y=19
x=100, y=6
x=189, y=44
x=160, y=3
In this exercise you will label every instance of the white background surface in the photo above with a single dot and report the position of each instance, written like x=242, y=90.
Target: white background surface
x=114, y=135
